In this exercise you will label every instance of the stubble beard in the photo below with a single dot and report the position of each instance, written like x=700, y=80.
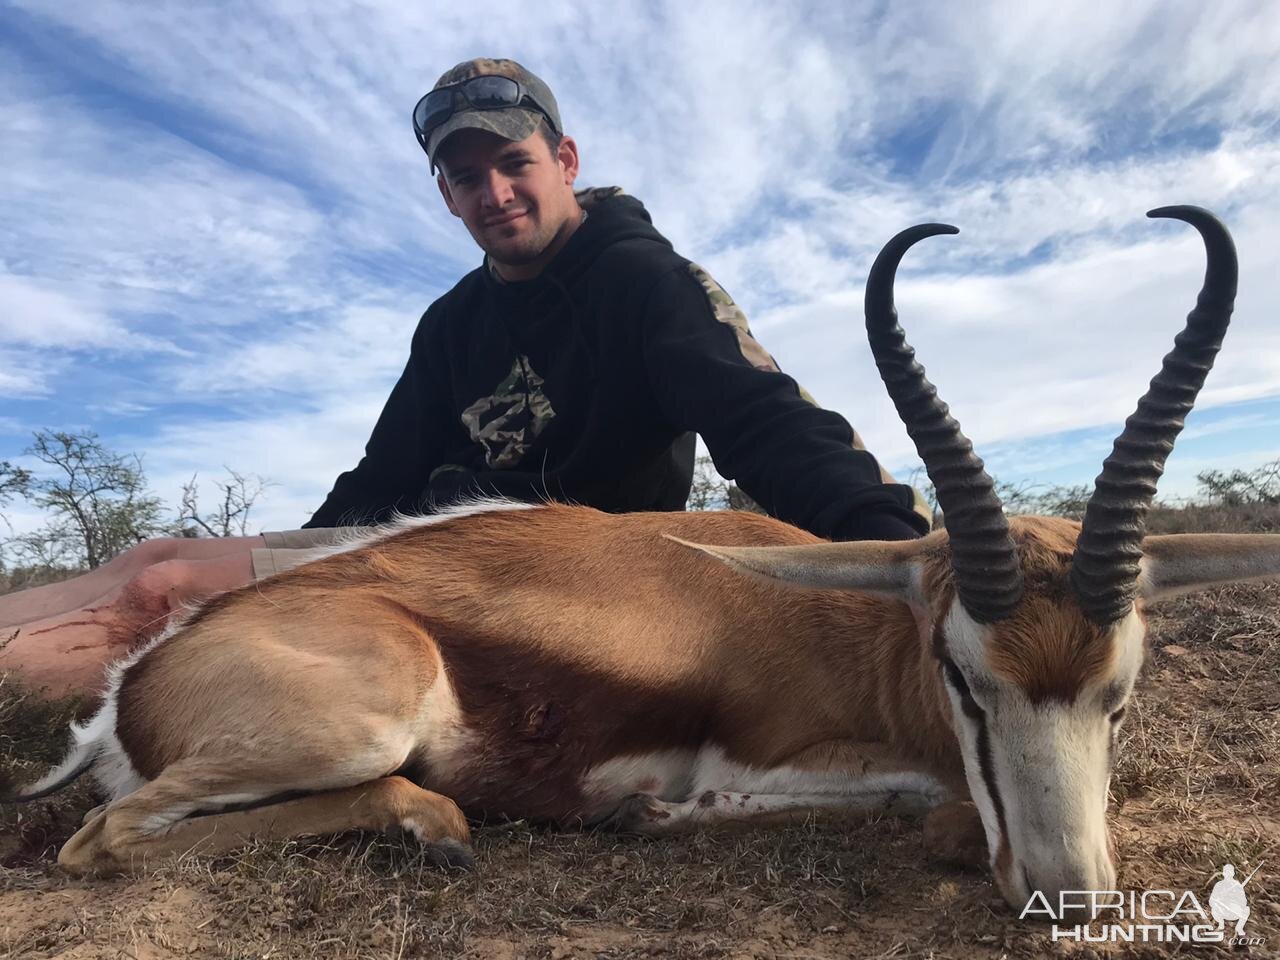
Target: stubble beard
x=515, y=253
x=521, y=251
x=518, y=250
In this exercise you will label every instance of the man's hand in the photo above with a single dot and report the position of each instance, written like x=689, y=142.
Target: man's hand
x=66, y=651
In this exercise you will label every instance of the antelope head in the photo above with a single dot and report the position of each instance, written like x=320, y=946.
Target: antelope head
x=1035, y=625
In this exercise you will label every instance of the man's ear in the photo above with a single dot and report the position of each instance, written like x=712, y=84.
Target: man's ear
x=448, y=197
x=567, y=156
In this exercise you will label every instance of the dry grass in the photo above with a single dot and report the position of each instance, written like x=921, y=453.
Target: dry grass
x=1215, y=518
x=1197, y=785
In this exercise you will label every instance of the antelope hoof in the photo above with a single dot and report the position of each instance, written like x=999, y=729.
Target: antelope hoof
x=638, y=813
x=450, y=854
x=953, y=835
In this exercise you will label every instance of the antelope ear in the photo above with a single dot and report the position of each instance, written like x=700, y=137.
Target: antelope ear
x=889, y=568
x=1183, y=562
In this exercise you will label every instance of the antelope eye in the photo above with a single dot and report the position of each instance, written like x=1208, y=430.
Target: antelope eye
x=956, y=679
x=954, y=675
x=1117, y=716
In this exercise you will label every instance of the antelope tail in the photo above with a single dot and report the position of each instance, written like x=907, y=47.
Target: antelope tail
x=81, y=757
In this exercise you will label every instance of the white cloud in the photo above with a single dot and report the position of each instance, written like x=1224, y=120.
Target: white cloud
x=361, y=348
x=27, y=373
x=1026, y=82
x=135, y=218
x=1067, y=344
x=300, y=453
x=1243, y=421
x=1060, y=213
x=36, y=316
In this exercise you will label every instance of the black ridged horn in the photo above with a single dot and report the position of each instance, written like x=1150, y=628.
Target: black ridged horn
x=987, y=572
x=1105, y=567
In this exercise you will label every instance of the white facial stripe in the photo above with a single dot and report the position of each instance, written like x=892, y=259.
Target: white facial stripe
x=1129, y=638
x=967, y=640
x=969, y=732
x=966, y=645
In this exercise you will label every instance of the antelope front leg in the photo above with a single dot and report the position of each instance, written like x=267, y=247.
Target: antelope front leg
x=645, y=814
x=842, y=777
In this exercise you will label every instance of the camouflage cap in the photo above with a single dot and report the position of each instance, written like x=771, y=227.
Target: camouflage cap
x=514, y=123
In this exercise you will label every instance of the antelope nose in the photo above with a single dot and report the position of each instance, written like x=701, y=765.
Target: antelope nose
x=1075, y=894
x=1071, y=906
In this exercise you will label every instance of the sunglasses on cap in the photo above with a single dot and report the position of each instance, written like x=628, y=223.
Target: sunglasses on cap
x=479, y=93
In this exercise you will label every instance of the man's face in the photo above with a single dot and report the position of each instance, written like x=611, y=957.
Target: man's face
x=515, y=198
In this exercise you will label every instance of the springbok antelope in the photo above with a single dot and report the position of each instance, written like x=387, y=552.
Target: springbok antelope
x=568, y=666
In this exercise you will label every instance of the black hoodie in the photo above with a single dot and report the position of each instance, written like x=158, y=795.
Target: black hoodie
x=586, y=385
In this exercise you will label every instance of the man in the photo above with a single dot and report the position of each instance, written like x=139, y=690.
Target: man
x=578, y=361
x=576, y=364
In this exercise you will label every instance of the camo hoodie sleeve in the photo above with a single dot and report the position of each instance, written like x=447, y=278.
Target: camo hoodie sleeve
x=795, y=459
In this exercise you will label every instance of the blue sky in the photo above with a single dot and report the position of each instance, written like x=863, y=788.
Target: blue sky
x=218, y=232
